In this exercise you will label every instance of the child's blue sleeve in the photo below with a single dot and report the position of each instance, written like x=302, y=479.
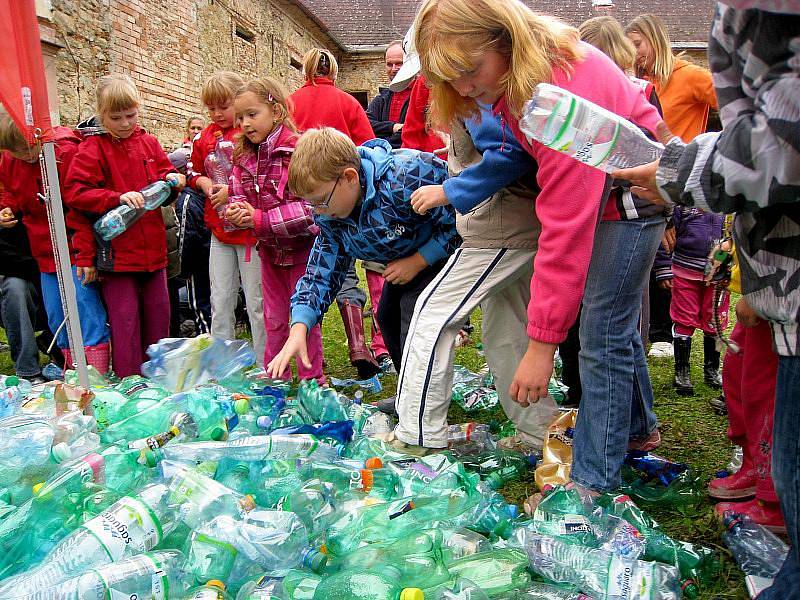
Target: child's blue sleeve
x=325, y=271
x=504, y=161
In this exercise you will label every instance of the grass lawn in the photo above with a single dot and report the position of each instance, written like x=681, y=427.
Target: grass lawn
x=691, y=433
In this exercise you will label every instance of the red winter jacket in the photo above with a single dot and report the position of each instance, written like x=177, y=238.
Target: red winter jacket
x=325, y=105
x=201, y=148
x=21, y=181
x=416, y=133
x=102, y=170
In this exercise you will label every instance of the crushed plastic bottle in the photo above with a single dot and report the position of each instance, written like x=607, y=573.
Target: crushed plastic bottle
x=599, y=572
x=757, y=550
x=585, y=131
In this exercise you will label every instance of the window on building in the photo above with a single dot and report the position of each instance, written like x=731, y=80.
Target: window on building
x=361, y=97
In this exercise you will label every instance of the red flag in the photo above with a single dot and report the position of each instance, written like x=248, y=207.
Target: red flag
x=23, y=87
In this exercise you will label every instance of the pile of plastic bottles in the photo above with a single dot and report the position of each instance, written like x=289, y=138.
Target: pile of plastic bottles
x=241, y=487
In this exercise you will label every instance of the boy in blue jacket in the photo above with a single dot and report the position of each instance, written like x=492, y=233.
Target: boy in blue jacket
x=361, y=198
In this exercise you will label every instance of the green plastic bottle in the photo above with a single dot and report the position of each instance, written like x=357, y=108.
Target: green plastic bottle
x=497, y=467
x=321, y=404
x=495, y=572
x=300, y=584
x=381, y=483
x=418, y=557
x=362, y=584
x=209, y=558
x=201, y=403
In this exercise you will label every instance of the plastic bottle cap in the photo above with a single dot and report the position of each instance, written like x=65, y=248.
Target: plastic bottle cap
x=61, y=452
x=412, y=594
x=315, y=560
x=241, y=406
x=373, y=463
x=216, y=583
x=367, y=479
x=36, y=488
x=323, y=549
x=218, y=434
x=264, y=422
x=96, y=462
x=11, y=380
x=247, y=503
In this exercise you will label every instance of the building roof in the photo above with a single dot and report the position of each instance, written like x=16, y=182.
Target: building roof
x=370, y=24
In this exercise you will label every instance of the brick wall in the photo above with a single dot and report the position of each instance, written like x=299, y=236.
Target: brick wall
x=170, y=47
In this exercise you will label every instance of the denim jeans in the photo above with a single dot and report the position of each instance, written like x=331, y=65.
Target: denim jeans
x=786, y=474
x=18, y=298
x=617, y=400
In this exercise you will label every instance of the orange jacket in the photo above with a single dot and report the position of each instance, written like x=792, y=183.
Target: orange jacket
x=686, y=99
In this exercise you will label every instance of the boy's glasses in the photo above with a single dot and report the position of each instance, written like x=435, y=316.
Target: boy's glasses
x=324, y=205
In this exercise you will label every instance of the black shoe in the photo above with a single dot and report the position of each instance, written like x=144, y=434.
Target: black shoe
x=388, y=405
x=711, y=363
x=683, y=380
x=719, y=405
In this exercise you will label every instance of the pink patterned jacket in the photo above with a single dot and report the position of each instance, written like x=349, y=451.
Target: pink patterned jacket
x=283, y=223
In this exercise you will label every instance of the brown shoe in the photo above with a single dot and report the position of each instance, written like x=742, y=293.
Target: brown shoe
x=648, y=444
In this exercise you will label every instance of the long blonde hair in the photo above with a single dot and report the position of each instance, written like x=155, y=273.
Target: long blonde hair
x=451, y=35
x=653, y=29
x=319, y=62
x=606, y=34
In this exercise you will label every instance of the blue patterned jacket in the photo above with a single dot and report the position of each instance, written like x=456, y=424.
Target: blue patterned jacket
x=384, y=227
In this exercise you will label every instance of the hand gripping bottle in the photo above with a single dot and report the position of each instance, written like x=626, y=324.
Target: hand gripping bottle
x=133, y=525
x=218, y=166
x=119, y=219
x=585, y=131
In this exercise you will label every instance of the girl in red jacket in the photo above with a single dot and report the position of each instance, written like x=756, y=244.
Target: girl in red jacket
x=20, y=184
x=112, y=164
x=232, y=262
x=283, y=223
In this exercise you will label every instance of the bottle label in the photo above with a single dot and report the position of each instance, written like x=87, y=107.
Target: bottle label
x=129, y=522
x=627, y=581
x=103, y=586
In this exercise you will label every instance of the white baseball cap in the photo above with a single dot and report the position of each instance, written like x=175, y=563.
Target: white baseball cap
x=410, y=68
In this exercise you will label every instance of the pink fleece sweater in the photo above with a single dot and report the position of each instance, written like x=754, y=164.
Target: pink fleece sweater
x=568, y=205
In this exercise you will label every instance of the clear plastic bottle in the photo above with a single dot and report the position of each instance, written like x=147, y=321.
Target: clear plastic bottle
x=477, y=433
x=757, y=550
x=460, y=589
x=119, y=219
x=155, y=575
x=253, y=448
x=585, y=131
x=133, y=525
x=218, y=166
x=25, y=443
x=599, y=572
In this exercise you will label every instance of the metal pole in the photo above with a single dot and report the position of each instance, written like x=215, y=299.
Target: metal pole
x=58, y=234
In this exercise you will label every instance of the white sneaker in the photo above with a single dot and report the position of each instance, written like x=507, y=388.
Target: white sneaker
x=661, y=350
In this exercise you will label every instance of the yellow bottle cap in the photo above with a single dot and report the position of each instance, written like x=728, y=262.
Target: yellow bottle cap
x=216, y=583
x=36, y=488
x=412, y=594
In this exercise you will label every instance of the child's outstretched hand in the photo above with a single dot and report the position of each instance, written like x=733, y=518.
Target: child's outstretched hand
x=533, y=373
x=7, y=218
x=427, y=197
x=403, y=270
x=132, y=199
x=295, y=346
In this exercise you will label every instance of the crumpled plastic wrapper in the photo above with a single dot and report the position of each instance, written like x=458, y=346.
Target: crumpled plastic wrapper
x=554, y=469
